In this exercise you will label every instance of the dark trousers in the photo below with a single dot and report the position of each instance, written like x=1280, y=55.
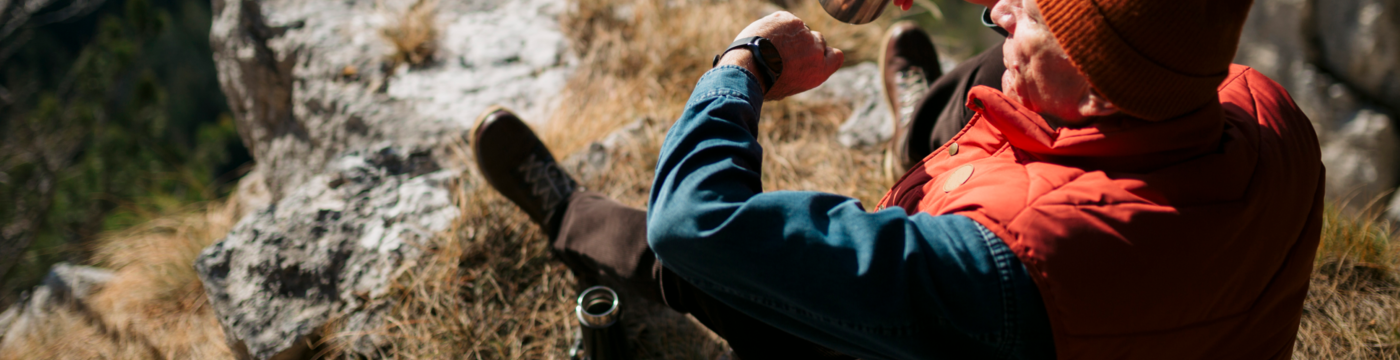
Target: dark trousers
x=603, y=241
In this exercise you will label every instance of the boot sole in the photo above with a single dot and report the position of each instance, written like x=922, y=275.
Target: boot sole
x=888, y=167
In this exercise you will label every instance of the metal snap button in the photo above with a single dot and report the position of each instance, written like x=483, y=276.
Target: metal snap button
x=952, y=149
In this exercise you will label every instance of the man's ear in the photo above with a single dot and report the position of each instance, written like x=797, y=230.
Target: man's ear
x=1094, y=105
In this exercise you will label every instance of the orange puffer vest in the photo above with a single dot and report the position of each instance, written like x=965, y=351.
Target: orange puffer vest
x=1189, y=238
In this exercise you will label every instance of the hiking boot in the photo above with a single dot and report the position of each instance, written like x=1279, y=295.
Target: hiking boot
x=908, y=65
x=519, y=166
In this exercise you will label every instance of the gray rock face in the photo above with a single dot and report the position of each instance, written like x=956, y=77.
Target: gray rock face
x=349, y=179
x=307, y=80
x=1340, y=60
x=1360, y=42
x=327, y=250
x=1361, y=157
x=589, y=164
x=869, y=124
x=66, y=286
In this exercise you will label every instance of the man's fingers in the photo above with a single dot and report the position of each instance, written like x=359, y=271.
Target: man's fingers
x=834, y=58
x=829, y=54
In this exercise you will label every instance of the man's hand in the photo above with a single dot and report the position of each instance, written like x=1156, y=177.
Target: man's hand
x=807, y=61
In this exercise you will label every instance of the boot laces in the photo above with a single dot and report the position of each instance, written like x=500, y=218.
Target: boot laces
x=911, y=85
x=547, y=181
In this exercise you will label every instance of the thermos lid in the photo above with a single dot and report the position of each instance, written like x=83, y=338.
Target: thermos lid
x=597, y=307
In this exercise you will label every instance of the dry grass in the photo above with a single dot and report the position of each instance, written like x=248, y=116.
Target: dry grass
x=641, y=58
x=1353, y=305
x=491, y=290
x=73, y=334
x=644, y=66
x=414, y=35
x=155, y=306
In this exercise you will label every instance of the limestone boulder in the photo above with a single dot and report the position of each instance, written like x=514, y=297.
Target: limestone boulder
x=1340, y=61
x=352, y=149
x=308, y=80
x=326, y=251
x=1361, y=158
x=869, y=125
x=1359, y=41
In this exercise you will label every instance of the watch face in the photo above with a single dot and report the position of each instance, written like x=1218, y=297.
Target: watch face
x=771, y=55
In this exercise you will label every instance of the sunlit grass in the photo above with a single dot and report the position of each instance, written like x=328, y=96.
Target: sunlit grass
x=155, y=306
x=1353, y=305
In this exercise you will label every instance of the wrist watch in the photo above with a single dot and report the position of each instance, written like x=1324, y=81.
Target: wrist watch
x=770, y=63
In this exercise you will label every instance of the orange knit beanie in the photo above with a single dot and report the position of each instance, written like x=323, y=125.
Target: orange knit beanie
x=1154, y=59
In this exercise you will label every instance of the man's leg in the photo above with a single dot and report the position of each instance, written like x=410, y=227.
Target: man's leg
x=943, y=112
x=604, y=241
x=908, y=64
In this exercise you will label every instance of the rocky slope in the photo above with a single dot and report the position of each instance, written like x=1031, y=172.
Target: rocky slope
x=353, y=149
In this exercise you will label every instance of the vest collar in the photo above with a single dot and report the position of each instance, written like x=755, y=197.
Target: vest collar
x=1118, y=143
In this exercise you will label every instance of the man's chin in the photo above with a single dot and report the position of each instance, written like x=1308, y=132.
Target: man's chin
x=1012, y=89
x=1008, y=82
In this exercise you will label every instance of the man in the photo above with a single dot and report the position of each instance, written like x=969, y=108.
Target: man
x=1127, y=193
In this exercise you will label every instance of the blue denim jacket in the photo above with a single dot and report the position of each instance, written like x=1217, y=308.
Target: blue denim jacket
x=881, y=285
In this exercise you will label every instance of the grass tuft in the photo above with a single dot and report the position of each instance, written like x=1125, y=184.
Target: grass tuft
x=154, y=307
x=1353, y=306
x=414, y=35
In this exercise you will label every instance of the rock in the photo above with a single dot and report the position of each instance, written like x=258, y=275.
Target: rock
x=308, y=80
x=66, y=286
x=869, y=123
x=76, y=282
x=1359, y=42
x=1353, y=42
x=1272, y=40
x=350, y=175
x=1361, y=158
x=1318, y=51
x=589, y=164
x=252, y=194
x=328, y=250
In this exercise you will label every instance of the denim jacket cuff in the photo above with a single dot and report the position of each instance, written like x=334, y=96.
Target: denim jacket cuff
x=729, y=80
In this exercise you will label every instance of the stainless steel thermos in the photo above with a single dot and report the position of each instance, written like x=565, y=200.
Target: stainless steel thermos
x=603, y=337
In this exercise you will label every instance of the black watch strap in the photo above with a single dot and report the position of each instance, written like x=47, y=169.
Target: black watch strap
x=764, y=53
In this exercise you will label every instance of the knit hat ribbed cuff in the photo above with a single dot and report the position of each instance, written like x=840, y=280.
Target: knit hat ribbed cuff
x=1132, y=82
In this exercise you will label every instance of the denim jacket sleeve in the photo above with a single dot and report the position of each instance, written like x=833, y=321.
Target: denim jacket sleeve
x=874, y=285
